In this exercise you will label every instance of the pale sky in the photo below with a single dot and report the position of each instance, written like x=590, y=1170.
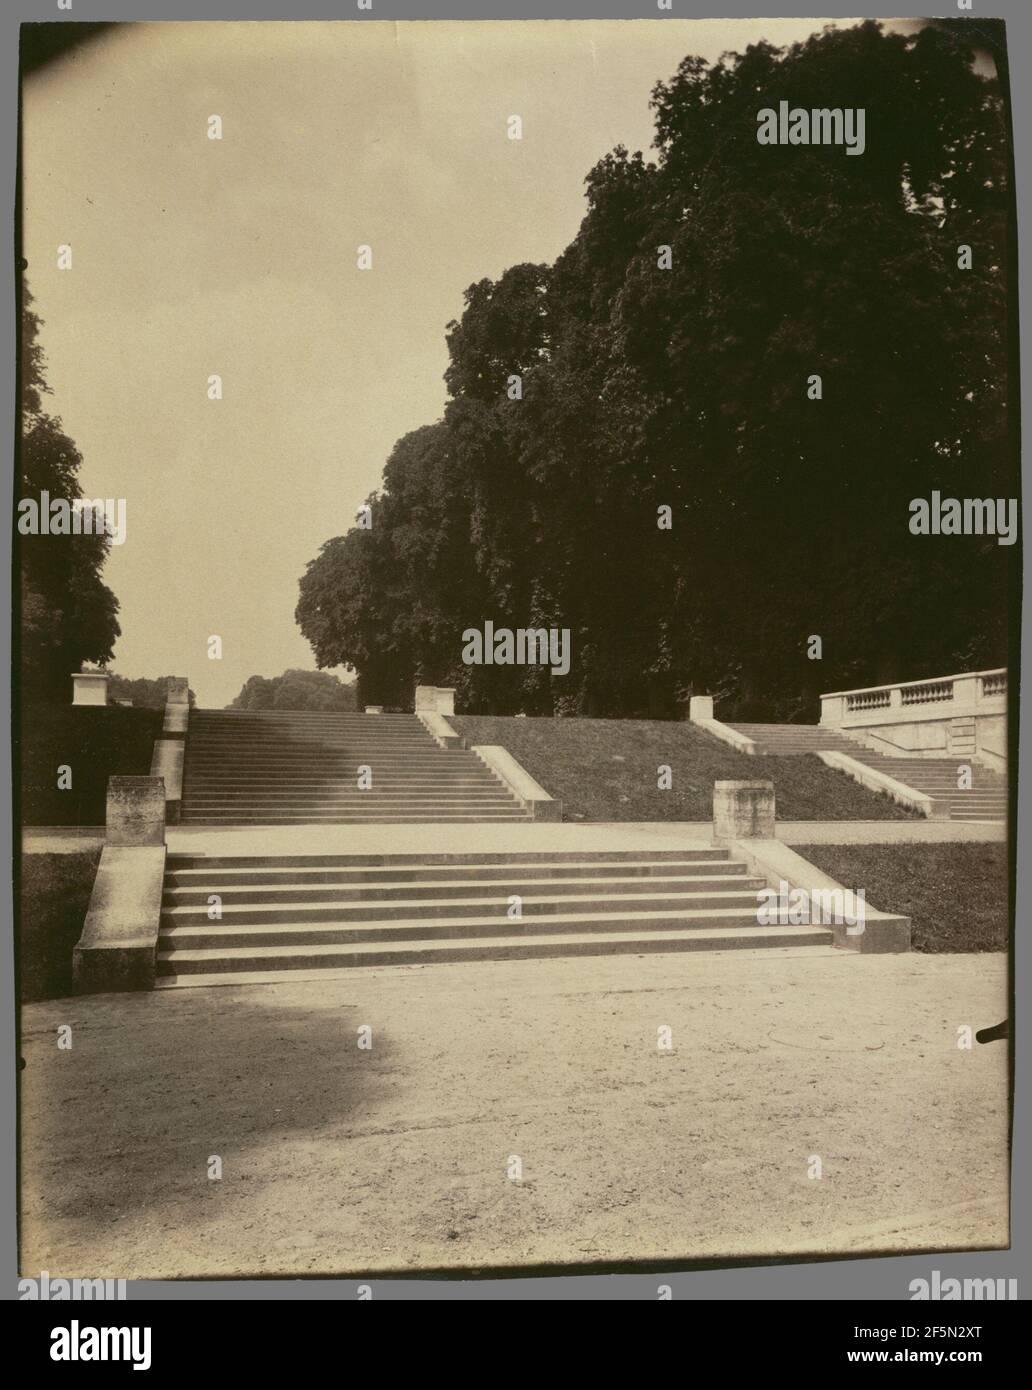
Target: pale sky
x=238, y=257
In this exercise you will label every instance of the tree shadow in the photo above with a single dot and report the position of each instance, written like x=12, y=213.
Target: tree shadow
x=122, y=1127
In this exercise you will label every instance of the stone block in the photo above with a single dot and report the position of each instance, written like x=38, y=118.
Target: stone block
x=89, y=688
x=435, y=699
x=135, y=811
x=743, y=811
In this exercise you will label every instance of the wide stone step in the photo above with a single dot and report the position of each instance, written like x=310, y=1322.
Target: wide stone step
x=374, y=811
x=953, y=794
x=799, y=732
x=949, y=788
x=919, y=769
x=298, y=716
x=273, y=733
x=370, y=806
x=431, y=757
x=314, y=769
x=270, y=727
x=309, y=745
x=344, y=773
x=292, y=910
x=354, y=717
x=443, y=766
x=273, y=729
x=178, y=895
x=202, y=875
x=245, y=937
x=922, y=766
x=349, y=797
x=245, y=784
x=573, y=943
x=326, y=765
x=398, y=819
x=940, y=778
x=449, y=859
x=347, y=788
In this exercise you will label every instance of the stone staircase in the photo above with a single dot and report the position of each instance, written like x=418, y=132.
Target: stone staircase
x=289, y=913
x=986, y=800
x=283, y=768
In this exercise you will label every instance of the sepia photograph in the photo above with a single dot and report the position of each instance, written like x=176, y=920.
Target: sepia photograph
x=517, y=579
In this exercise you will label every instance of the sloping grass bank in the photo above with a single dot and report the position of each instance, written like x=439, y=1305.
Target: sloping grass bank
x=606, y=770
x=954, y=894
x=54, y=896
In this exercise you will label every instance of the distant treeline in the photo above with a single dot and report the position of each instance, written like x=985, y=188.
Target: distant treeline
x=144, y=692
x=635, y=446
x=314, y=690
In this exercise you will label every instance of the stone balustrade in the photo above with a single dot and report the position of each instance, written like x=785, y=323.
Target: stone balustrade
x=953, y=715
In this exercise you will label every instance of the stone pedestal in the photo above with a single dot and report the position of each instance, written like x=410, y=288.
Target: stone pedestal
x=743, y=811
x=374, y=709
x=178, y=692
x=700, y=707
x=435, y=699
x=89, y=687
x=135, y=811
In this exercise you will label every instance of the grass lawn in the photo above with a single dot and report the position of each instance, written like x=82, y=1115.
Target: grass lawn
x=606, y=770
x=955, y=894
x=54, y=896
x=95, y=742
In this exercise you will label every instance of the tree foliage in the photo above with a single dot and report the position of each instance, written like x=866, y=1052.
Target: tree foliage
x=295, y=690
x=68, y=615
x=144, y=692
x=687, y=388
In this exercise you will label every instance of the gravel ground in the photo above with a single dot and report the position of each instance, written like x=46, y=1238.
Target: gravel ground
x=396, y=1158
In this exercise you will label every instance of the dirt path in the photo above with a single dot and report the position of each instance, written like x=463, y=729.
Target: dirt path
x=338, y=1159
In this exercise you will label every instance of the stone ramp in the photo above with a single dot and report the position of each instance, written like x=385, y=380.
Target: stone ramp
x=281, y=913
x=986, y=800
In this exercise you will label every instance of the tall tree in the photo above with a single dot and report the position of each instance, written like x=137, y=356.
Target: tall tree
x=68, y=615
x=667, y=361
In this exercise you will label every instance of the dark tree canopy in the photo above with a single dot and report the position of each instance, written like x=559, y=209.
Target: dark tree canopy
x=68, y=615
x=686, y=388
